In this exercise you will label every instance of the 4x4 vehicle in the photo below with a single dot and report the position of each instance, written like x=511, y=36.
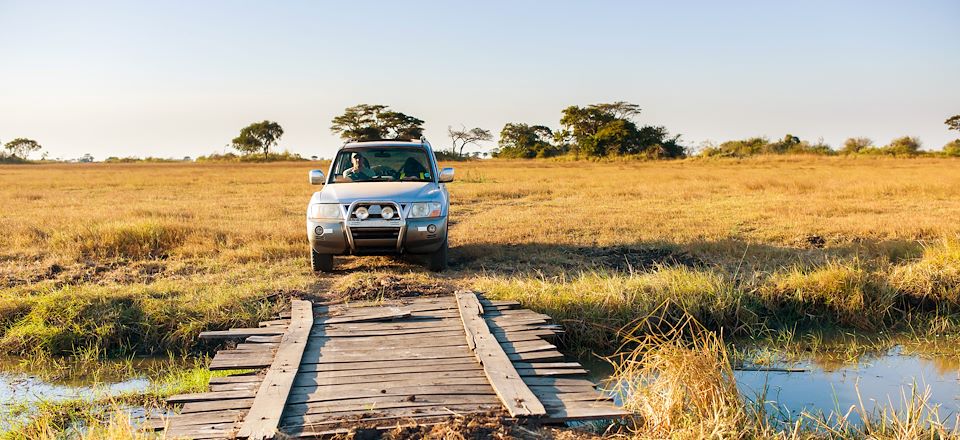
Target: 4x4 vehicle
x=380, y=198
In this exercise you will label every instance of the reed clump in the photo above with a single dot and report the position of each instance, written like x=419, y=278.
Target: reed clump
x=678, y=382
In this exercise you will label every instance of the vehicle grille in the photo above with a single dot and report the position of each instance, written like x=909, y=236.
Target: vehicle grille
x=375, y=233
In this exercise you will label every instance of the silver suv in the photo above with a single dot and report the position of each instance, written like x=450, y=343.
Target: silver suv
x=380, y=198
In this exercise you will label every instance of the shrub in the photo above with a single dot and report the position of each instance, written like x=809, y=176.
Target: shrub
x=285, y=156
x=952, y=148
x=903, y=146
x=856, y=145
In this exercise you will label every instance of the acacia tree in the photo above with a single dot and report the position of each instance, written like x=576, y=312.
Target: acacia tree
x=953, y=122
x=22, y=147
x=463, y=137
x=366, y=122
x=259, y=136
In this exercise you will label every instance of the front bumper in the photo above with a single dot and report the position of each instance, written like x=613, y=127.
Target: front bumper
x=414, y=236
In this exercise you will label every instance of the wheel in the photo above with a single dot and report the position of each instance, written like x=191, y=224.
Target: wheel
x=321, y=262
x=437, y=261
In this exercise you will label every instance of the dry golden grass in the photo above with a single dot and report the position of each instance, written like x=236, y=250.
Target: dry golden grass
x=142, y=257
x=167, y=250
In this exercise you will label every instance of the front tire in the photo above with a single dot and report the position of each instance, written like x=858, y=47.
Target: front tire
x=321, y=262
x=437, y=261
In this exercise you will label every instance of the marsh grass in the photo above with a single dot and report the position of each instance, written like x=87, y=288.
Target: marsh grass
x=679, y=383
x=109, y=417
x=835, y=296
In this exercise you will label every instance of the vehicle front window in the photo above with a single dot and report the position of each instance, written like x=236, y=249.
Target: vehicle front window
x=390, y=164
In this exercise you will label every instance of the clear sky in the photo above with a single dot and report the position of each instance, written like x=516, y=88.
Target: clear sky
x=176, y=78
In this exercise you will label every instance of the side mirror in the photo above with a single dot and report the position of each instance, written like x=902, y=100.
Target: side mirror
x=316, y=177
x=446, y=175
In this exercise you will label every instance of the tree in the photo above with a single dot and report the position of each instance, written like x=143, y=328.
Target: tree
x=365, y=122
x=22, y=147
x=856, y=145
x=609, y=129
x=259, y=136
x=464, y=137
x=525, y=141
x=953, y=122
x=903, y=146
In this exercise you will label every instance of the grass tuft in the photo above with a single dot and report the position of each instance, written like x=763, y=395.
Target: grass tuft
x=147, y=239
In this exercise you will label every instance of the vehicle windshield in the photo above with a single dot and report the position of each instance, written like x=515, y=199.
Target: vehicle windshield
x=389, y=164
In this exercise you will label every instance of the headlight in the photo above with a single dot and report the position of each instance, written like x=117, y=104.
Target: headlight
x=361, y=213
x=419, y=210
x=324, y=211
x=387, y=213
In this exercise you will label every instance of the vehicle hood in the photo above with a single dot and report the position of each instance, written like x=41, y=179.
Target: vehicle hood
x=387, y=191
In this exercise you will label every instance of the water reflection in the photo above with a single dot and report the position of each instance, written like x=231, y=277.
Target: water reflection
x=878, y=382
x=25, y=384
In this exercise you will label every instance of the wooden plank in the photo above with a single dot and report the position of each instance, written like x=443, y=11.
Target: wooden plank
x=516, y=397
x=204, y=418
x=552, y=355
x=551, y=371
x=378, y=402
x=423, y=332
x=391, y=313
x=315, y=379
x=263, y=339
x=508, y=304
x=234, y=379
x=469, y=365
x=318, y=338
x=535, y=380
x=235, y=333
x=364, y=365
x=234, y=386
x=231, y=364
x=402, y=391
x=217, y=395
x=264, y=416
x=398, y=382
x=216, y=405
x=387, y=356
x=196, y=432
x=547, y=365
x=585, y=413
x=338, y=417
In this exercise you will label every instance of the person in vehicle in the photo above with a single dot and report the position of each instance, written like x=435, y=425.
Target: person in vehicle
x=414, y=169
x=359, y=169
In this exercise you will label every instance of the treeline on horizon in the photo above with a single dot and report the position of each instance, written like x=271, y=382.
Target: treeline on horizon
x=597, y=131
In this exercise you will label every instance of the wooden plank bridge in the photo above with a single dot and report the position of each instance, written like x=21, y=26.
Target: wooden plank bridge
x=326, y=370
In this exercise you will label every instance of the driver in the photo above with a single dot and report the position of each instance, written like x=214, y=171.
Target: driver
x=359, y=170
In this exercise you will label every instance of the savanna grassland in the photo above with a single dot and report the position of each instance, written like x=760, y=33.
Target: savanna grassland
x=115, y=259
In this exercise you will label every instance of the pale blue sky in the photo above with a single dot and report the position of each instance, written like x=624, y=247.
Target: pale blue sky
x=177, y=78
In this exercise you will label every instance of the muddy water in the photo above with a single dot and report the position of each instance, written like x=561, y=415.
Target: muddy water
x=24, y=385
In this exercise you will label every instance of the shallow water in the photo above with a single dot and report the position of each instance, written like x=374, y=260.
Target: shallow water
x=879, y=382
x=24, y=385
